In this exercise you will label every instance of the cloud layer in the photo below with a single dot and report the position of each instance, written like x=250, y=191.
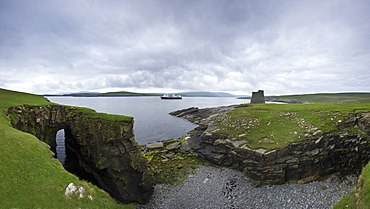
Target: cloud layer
x=283, y=47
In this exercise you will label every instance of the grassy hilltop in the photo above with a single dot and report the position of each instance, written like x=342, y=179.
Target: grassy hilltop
x=272, y=126
x=30, y=176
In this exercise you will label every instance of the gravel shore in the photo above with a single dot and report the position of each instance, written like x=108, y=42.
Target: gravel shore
x=212, y=187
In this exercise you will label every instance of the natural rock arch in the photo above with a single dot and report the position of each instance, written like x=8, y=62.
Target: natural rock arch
x=105, y=148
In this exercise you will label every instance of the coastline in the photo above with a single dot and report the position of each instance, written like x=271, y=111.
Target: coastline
x=216, y=187
x=220, y=187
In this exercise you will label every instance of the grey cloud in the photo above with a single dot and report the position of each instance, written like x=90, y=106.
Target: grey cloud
x=281, y=46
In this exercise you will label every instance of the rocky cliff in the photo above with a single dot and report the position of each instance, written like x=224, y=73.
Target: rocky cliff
x=345, y=149
x=105, y=146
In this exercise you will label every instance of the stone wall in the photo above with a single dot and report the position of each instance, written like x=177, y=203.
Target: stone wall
x=105, y=148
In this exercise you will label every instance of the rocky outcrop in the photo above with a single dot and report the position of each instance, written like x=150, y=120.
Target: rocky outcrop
x=271, y=99
x=105, y=146
x=198, y=116
x=320, y=155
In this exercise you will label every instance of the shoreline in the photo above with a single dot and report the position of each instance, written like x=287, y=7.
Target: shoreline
x=220, y=187
x=216, y=187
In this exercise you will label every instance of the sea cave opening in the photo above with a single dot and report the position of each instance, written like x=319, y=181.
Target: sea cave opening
x=66, y=154
x=60, y=150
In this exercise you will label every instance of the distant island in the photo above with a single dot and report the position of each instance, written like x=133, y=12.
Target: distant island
x=304, y=98
x=129, y=94
x=107, y=94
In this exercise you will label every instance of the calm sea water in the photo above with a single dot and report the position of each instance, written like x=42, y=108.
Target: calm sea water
x=152, y=121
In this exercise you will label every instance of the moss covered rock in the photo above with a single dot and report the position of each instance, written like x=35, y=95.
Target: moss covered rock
x=104, y=144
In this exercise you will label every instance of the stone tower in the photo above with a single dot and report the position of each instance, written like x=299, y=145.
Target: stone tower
x=258, y=97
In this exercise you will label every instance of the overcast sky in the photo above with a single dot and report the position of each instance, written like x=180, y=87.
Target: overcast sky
x=280, y=46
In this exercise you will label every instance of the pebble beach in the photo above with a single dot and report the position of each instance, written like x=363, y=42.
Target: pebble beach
x=213, y=187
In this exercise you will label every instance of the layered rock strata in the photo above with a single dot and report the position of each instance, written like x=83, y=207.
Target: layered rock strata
x=105, y=147
x=318, y=156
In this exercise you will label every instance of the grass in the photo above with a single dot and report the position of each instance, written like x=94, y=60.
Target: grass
x=328, y=98
x=272, y=126
x=93, y=114
x=358, y=198
x=30, y=176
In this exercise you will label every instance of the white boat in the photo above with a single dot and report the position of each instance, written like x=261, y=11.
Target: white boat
x=171, y=96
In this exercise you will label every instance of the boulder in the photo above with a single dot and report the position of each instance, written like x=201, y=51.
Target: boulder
x=173, y=146
x=155, y=146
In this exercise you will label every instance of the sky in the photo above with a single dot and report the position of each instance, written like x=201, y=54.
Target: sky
x=235, y=46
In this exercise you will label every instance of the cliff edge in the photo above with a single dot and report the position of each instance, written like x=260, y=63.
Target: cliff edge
x=104, y=144
x=274, y=144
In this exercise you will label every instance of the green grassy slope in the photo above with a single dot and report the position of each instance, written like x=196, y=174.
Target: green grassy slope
x=327, y=97
x=30, y=177
x=271, y=126
x=359, y=197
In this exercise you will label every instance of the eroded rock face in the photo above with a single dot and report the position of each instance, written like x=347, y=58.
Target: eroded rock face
x=105, y=148
x=318, y=156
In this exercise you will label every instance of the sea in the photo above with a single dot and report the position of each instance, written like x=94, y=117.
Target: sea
x=152, y=121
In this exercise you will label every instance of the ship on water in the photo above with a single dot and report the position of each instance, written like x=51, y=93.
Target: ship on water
x=171, y=96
